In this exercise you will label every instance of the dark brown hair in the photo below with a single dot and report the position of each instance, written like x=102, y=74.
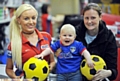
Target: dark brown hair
x=44, y=8
x=93, y=6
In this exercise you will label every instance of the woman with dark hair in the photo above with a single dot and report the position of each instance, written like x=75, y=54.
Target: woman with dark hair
x=99, y=40
x=46, y=19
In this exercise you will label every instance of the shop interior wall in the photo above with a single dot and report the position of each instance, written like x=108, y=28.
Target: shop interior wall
x=64, y=7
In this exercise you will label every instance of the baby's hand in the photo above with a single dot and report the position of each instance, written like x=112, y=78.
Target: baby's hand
x=39, y=56
x=90, y=64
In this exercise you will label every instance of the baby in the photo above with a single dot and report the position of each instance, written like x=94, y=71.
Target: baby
x=70, y=56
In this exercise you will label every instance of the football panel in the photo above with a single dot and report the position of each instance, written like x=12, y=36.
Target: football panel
x=86, y=70
x=32, y=66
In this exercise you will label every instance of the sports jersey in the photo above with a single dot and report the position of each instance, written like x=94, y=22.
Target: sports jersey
x=46, y=23
x=69, y=58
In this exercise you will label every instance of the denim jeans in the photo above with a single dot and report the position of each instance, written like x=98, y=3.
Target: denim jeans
x=74, y=76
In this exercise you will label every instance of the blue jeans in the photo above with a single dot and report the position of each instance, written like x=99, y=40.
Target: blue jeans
x=74, y=76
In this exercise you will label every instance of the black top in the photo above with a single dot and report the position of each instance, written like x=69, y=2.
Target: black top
x=103, y=45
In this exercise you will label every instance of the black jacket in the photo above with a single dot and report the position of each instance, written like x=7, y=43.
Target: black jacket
x=103, y=45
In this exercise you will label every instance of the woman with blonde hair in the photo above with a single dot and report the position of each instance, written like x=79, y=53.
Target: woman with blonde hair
x=25, y=40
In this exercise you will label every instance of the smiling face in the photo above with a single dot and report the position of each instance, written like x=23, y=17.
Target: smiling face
x=67, y=35
x=28, y=20
x=91, y=19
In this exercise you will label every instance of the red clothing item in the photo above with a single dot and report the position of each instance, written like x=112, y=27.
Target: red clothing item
x=44, y=42
x=28, y=50
x=46, y=24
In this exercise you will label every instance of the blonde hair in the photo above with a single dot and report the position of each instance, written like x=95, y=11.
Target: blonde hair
x=15, y=35
x=68, y=27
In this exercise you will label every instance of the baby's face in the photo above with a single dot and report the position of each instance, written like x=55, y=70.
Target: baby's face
x=67, y=37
